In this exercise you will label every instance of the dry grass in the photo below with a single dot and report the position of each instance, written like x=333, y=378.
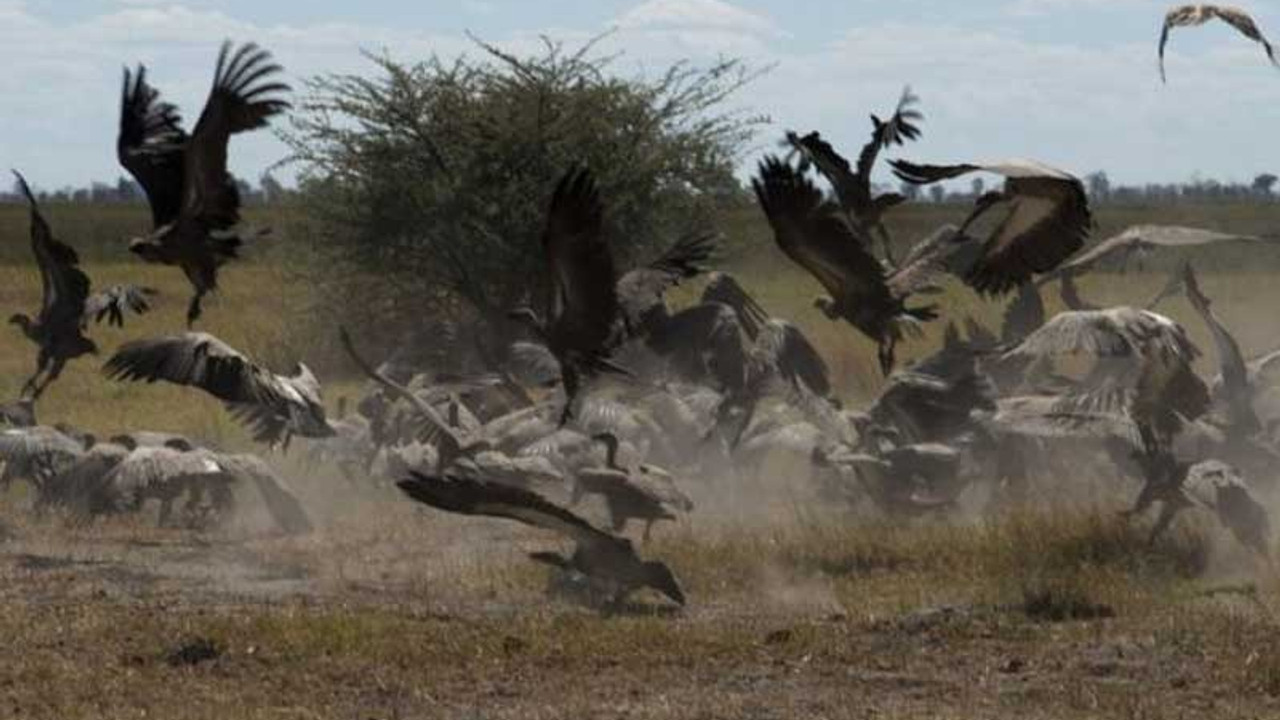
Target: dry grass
x=796, y=609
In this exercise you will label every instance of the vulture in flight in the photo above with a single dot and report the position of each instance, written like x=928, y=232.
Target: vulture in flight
x=584, y=305
x=66, y=307
x=641, y=290
x=1047, y=219
x=57, y=329
x=809, y=229
x=274, y=407
x=852, y=185
x=608, y=562
x=195, y=206
x=1201, y=13
x=1141, y=239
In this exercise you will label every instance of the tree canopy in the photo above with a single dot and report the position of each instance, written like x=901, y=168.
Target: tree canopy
x=427, y=183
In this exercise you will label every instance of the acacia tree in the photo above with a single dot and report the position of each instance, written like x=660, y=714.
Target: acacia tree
x=426, y=185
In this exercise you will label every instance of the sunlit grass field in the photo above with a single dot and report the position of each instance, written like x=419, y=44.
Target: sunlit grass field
x=797, y=609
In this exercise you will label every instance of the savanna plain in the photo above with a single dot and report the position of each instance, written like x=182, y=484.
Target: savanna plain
x=1051, y=608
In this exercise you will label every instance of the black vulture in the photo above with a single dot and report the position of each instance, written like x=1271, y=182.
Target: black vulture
x=195, y=205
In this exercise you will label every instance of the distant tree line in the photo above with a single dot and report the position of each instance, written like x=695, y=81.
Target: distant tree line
x=126, y=191
x=1102, y=191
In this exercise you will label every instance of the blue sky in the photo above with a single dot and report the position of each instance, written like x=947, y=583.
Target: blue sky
x=1070, y=82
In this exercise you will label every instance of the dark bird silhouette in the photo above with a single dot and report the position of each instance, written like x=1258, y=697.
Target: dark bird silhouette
x=1201, y=13
x=609, y=562
x=56, y=330
x=584, y=305
x=810, y=231
x=853, y=186
x=1048, y=219
x=274, y=407
x=195, y=206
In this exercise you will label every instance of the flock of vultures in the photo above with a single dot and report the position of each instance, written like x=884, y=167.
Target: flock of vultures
x=614, y=395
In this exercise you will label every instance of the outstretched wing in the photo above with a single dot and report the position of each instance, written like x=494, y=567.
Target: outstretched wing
x=243, y=98
x=809, y=230
x=897, y=130
x=1137, y=236
x=852, y=190
x=641, y=290
x=785, y=348
x=65, y=286
x=1235, y=374
x=584, y=297
x=1241, y=21
x=1047, y=221
x=195, y=359
x=724, y=288
x=468, y=496
x=112, y=303
x=150, y=145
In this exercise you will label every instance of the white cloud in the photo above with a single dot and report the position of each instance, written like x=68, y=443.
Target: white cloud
x=695, y=15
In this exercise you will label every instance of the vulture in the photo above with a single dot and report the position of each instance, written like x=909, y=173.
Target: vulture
x=195, y=205
x=1210, y=485
x=66, y=305
x=608, y=562
x=1142, y=367
x=1201, y=13
x=641, y=290
x=810, y=231
x=274, y=407
x=852, y=186
x=1138, y=240
x=1047, y=219
x=648, y=494
x=584, y=304
x=111, y=304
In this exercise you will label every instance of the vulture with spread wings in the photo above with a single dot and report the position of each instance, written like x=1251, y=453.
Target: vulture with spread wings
x=641, y=290
x=195, y=205
x=1142, y=367
x=1048, y=219
x=274, y=407
x=1199, y=14
x=580, y=317
x=1138, y=240
x=57, y=329
x=609, y=562
x=810, y=231
x=852, y=186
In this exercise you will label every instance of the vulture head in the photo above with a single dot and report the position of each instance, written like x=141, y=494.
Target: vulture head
x=21, y=321
x=659, y=577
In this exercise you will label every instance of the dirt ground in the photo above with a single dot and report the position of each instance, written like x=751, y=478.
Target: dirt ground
x=390, y=611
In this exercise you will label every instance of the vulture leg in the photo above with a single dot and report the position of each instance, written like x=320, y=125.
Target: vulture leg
x=51, y=374
x=193, y=309
x=648, y=528
x=885, y=353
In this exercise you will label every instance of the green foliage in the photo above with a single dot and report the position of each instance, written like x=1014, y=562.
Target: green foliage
x=434, y=176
